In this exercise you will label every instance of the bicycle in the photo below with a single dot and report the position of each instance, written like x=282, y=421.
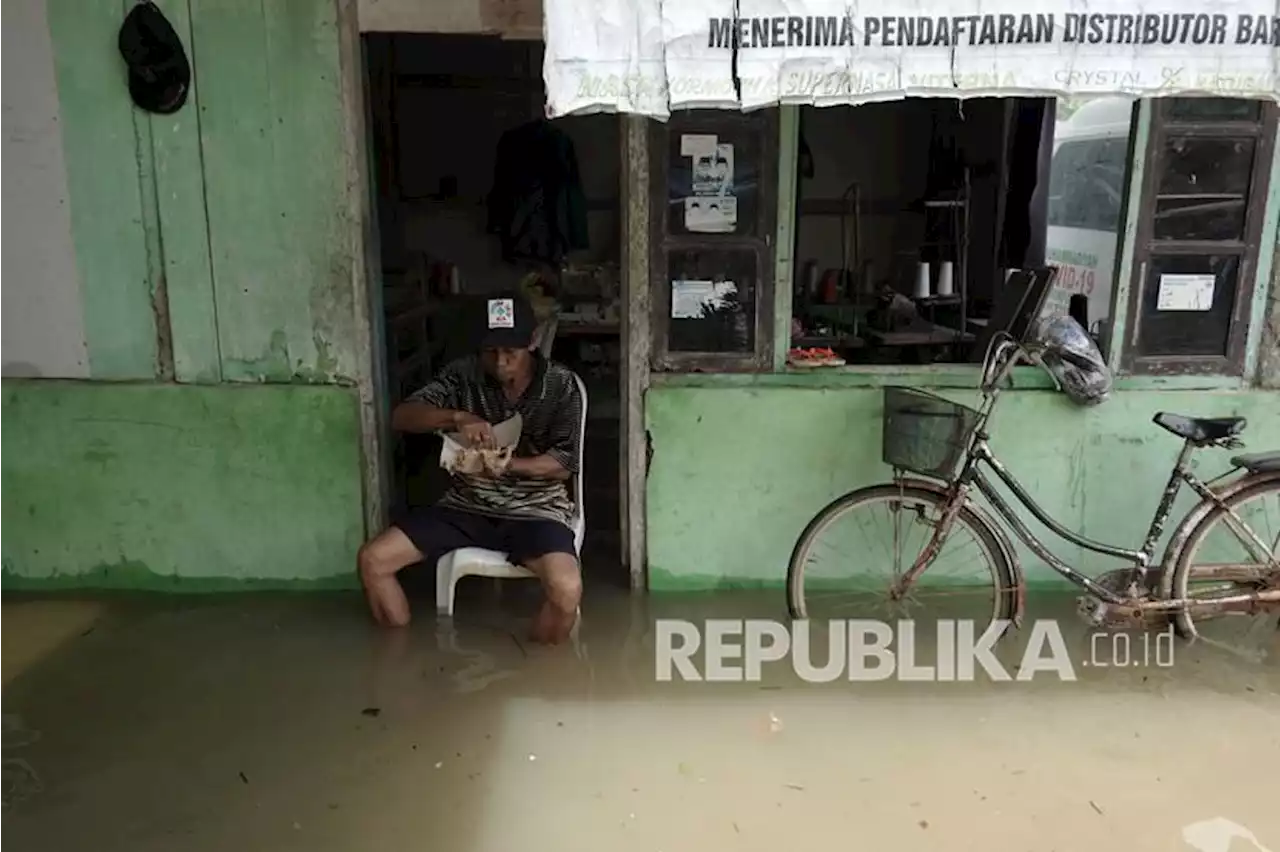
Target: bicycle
x=938, y=450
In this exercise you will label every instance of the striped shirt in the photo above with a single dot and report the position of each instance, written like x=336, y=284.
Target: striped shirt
x=551, y=411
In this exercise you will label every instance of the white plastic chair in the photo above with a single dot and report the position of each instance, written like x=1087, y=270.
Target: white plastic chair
x=547, y=338
x=478, y=562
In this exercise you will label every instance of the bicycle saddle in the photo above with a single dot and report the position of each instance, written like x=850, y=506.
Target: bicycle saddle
x=1200, y=430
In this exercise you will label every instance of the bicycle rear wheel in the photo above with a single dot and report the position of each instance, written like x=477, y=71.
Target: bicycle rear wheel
x=851, y=553
x=1214, y=547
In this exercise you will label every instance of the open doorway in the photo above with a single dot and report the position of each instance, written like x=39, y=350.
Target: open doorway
x=451, y=119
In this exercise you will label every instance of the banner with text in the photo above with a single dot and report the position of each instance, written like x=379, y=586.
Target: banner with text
x=654, y=56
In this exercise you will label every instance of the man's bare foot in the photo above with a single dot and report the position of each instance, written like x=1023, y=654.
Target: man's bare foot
x=542, y=625
x=551, y=626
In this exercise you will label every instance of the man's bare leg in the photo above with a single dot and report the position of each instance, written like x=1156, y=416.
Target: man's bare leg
x=561, y=579
x=379, y=561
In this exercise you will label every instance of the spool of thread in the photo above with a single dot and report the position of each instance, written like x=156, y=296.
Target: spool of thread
x=831, y=287
x=811, y=279
x=922, y=280
x=946, y=278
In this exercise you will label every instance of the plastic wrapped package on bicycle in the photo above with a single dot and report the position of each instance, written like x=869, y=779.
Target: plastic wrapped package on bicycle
x=924, y=433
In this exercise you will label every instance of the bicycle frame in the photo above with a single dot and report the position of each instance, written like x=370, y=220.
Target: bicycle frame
x=971, y=475
x=1140, y=559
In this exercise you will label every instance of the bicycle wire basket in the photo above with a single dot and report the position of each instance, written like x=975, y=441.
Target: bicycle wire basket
x=925, y=434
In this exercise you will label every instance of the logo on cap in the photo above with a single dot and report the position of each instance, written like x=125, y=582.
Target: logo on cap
x=502, y=313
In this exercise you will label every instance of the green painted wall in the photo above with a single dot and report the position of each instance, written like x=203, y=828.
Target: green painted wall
x=276, y=187
x=737, y=472
x=218, y=443
x=105, y=192
x=143, y=485
x=213, y=244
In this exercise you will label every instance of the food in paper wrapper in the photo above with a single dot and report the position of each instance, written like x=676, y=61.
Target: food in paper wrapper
x=458, y=458
x=473, y=461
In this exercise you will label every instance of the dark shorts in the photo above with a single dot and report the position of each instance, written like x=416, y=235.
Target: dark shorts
x=435, y=531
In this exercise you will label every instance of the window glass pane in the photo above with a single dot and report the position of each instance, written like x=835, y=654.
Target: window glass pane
x=713, y=300
x=1206, y=166
x=1204, y=188
x=1087, y=182
x=1213, y=109
x=1199, y=219
x=1186, y=304
x=1088, y=177
x=912, y=216
x=713, y=179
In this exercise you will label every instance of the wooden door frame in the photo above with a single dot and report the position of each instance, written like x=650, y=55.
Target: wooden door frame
x=636, y=337
x=636, y=342
x=365, y=252
x=642, y=149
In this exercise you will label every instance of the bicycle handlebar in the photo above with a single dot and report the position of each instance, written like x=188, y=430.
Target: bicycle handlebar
x=1003, y=353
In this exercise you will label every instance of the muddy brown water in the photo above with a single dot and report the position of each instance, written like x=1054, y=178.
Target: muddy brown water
x=289, y=722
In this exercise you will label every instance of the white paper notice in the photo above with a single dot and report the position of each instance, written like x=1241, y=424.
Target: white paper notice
x=614, y=63
x=695, y=299
x=687, y=298
x=713, y=171
x=1185, y=293
x=711, y=214
x=698, y=76
x=697, y=145
x=713, y=208
x=654, y=57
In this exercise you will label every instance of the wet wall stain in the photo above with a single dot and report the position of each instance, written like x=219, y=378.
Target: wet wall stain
x=179, y=480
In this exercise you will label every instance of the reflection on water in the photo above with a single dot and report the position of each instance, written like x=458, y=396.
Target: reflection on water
x=289, y=722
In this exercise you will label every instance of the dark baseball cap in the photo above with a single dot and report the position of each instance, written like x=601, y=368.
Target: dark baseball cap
x=159, y=72
x=508, y=322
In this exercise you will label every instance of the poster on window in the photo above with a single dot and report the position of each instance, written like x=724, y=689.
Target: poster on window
x=654, y=56
x=1186, y=292
x=700, y=299
x=711, y=207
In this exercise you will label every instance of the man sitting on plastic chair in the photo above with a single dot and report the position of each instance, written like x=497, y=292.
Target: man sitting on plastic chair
x=524, y=510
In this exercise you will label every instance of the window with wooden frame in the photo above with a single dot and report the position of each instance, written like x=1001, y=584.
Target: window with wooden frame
x=714, y=203
x=1199, y=231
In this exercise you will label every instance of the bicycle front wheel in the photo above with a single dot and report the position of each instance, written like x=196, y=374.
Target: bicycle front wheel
x=851, y=554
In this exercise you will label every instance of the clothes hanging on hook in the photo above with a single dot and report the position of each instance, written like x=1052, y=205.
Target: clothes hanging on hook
x=536, y=205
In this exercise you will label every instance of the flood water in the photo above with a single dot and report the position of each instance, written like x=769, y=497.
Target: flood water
x=290, y=722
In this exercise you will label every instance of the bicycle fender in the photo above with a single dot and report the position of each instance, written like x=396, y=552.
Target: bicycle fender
x=1002, y=540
